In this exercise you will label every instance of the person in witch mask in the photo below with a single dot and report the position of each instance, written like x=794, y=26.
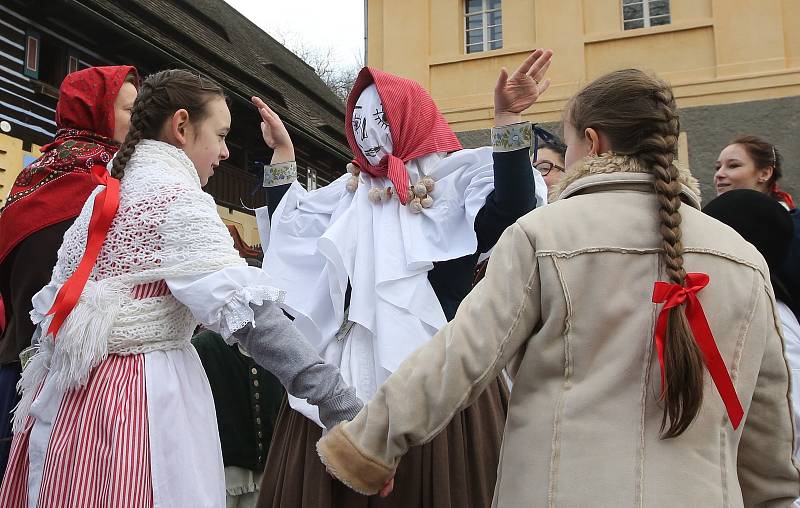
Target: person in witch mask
x=379, y=260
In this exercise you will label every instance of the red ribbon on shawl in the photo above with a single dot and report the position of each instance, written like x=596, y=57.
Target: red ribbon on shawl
x=672, y=295
x=106, y=203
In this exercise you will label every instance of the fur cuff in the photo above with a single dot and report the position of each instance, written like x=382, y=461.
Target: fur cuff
x=349, y=465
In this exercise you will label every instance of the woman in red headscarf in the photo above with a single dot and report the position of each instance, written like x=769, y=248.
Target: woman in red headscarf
x=92, y=116
x=381, y=258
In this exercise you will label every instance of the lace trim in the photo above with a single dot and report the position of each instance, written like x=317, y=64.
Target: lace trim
x=237, y=312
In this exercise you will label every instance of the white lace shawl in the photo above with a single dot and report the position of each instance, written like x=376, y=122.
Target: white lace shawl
x=166, y=227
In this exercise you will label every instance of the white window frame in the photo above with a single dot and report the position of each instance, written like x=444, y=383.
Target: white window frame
x=311, y=179
x=73, y=63
x=484, y=13
x=33, y=46
x=646, y=18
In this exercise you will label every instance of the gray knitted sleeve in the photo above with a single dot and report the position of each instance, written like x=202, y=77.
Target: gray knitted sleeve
x=275, y=344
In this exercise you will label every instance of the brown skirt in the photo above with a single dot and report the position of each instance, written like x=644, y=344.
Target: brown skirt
x=457, y=469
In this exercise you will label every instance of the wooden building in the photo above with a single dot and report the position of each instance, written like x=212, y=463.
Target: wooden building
x=43, y=40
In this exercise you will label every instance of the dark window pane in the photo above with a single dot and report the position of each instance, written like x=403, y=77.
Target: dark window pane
x=660, y=20
x=634, y=11
x=630, y=25
x=474, y=5
x=493, y=4
x=474, y=21
x=659, y=8
x=495, y=33
x=494, y=18
x=495, y=44
x=626, y=2
x=476, y=48
x=474, y=37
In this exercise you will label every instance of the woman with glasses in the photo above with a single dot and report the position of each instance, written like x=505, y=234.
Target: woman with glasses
x=548, y=157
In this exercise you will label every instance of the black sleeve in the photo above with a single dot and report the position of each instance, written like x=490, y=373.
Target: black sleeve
x=513, y=196
x=274, y=197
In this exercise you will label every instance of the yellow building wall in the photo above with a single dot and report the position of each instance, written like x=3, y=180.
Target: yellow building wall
x=245, y=224
x=11, y=157
x=713, y=51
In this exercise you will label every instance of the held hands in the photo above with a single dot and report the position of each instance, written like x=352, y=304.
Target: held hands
x=387, y=488
x=515, y=94
x=275, y=134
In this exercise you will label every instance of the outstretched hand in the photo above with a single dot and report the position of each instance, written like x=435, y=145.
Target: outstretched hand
x=274, y=132
x=516, y=93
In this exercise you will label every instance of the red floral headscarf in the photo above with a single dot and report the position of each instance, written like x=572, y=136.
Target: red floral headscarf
x=415, y=123
x=55, y=186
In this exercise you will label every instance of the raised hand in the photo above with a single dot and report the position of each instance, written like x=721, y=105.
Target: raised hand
x=274, y=132
x=516, y=93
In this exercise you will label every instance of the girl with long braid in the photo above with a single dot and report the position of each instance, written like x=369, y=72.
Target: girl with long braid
x=116, y=410
x=648, y=367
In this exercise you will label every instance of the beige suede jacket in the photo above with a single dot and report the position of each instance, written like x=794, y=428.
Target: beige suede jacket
x=566, y=304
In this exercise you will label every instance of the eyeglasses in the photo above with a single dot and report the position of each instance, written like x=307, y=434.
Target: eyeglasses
x=544, y=167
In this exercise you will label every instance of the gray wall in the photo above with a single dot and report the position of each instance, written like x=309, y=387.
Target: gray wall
x=709, y=128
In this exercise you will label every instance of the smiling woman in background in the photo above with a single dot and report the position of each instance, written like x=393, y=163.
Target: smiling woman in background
x=751, y=162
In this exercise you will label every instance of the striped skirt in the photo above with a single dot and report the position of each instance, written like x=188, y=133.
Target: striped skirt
x=142, y=433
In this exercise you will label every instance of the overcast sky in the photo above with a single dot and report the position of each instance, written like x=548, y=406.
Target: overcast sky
x=315, y=24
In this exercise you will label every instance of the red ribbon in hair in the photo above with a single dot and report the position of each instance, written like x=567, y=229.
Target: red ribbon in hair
x=105, y=208
x=784, y=196
x=672, y=295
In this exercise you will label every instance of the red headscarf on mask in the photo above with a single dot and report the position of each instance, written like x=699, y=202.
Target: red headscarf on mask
x=55, y=186
x=415, y=123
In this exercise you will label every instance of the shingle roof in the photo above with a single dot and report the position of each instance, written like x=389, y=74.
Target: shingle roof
x=212, y=36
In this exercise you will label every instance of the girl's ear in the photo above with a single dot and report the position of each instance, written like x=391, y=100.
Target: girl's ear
x=598, y=142
x=177, y=127
x=765, y=174
x=593, y=140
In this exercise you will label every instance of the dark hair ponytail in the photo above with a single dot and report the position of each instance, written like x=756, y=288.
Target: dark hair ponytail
x=160, y=95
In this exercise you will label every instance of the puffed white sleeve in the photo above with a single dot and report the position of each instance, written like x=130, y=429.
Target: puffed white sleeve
x=221, y=300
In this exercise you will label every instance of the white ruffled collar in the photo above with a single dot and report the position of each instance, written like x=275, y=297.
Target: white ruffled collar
x=149, y=151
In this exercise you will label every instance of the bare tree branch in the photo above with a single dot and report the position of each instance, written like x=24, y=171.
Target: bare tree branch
x=339, y=78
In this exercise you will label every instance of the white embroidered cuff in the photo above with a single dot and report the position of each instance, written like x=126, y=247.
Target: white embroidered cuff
x=281, y=173
x=515, y=136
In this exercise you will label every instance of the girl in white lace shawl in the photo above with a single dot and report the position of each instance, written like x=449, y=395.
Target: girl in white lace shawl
x=115, y=403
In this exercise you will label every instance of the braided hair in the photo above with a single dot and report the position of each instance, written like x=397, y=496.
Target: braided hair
x=638, y=114
x=160, y=96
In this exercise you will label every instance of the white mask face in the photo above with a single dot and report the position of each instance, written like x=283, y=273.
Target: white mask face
x=370, y=126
